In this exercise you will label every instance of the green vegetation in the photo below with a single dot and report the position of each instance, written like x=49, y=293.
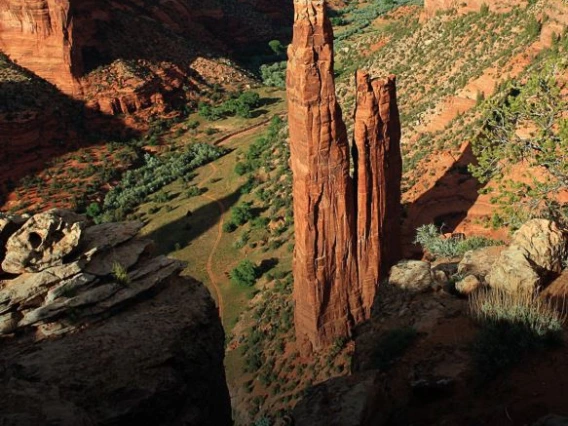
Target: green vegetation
x=431, y=240
x=391, y=346
x=512, y=325
x=157, y=172
x=245, y=274
x=526, y=124
x=120, y=274
x=240, y=105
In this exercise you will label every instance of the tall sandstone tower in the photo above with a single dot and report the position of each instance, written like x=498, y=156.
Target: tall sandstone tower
x=347, y=229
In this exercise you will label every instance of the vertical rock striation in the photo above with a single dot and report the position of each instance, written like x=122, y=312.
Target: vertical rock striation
x=378, y=169
x=38, y=34
x=347, y=230
x=324, y=266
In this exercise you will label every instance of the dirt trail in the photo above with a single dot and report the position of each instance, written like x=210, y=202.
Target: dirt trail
x=209, y=266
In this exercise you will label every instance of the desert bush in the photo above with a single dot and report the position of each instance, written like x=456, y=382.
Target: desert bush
x=430, y=238
x=245, y=274
x=512, y=324
x=120, y=274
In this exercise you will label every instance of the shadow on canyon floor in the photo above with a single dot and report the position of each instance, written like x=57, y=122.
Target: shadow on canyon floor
x=187, y=229
x=38, y=123
x=446, y=204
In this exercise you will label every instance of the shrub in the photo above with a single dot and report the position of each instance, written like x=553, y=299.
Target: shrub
x=241, y=213
x=512, y=324
x=120, y=274
x=429, y=237
x=245, y=274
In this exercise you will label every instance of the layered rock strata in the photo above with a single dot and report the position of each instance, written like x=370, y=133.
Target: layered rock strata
x=136, y=343
x=346, y=229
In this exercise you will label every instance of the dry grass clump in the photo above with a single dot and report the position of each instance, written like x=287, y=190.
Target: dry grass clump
x=513, y=324
x=521, y=308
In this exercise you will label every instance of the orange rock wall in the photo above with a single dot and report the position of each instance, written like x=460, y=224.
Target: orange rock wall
x=324, y=267
x=38, y=35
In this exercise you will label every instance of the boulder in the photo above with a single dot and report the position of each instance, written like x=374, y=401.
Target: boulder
x=412, y=275
x=159, y=362
x=43, y=241
x=537, y=252
x=479, y=262
x=344, y=401
x=468, y=285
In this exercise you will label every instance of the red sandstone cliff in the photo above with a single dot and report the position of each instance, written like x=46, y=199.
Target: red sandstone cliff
x=38, y=35
x=344, y=242
x=324, y=268
x=378, y=170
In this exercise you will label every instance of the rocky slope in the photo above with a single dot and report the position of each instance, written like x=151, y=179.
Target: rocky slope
x=97, y=331
x=435, y=378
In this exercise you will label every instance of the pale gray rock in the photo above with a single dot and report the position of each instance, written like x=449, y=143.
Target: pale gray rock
x=43, y=241
x=412, y=275
x=126, y=254
x=537, y=251
x=479, y=262
x=28, y=287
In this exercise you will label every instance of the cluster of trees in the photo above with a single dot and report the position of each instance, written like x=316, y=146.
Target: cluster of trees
x=241, y=105
x=525, y=125
x=156, y=173
x=258, y=148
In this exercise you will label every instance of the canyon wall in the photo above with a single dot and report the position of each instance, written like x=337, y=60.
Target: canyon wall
x=38, y=35
x=346, y=229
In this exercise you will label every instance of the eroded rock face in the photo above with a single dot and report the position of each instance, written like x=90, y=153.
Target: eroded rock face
x=43, y=241
x=347, y=230
x=158, y=362
x=378, y=170
x=325, y=278
x=136, y=343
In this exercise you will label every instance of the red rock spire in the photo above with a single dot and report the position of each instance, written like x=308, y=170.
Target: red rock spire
x=341, y=239
x=378, y=169
x=323, y=193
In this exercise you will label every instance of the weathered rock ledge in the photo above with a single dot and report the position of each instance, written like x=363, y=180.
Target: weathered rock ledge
x=98, y=331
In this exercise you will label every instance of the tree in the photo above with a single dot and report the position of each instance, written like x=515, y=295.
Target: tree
x=277, y=47
x=527, y=125
x=245, y=274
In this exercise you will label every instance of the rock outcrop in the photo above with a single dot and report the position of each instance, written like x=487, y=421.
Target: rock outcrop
x=137, y=344
x=534, y=256
x=346, y=229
